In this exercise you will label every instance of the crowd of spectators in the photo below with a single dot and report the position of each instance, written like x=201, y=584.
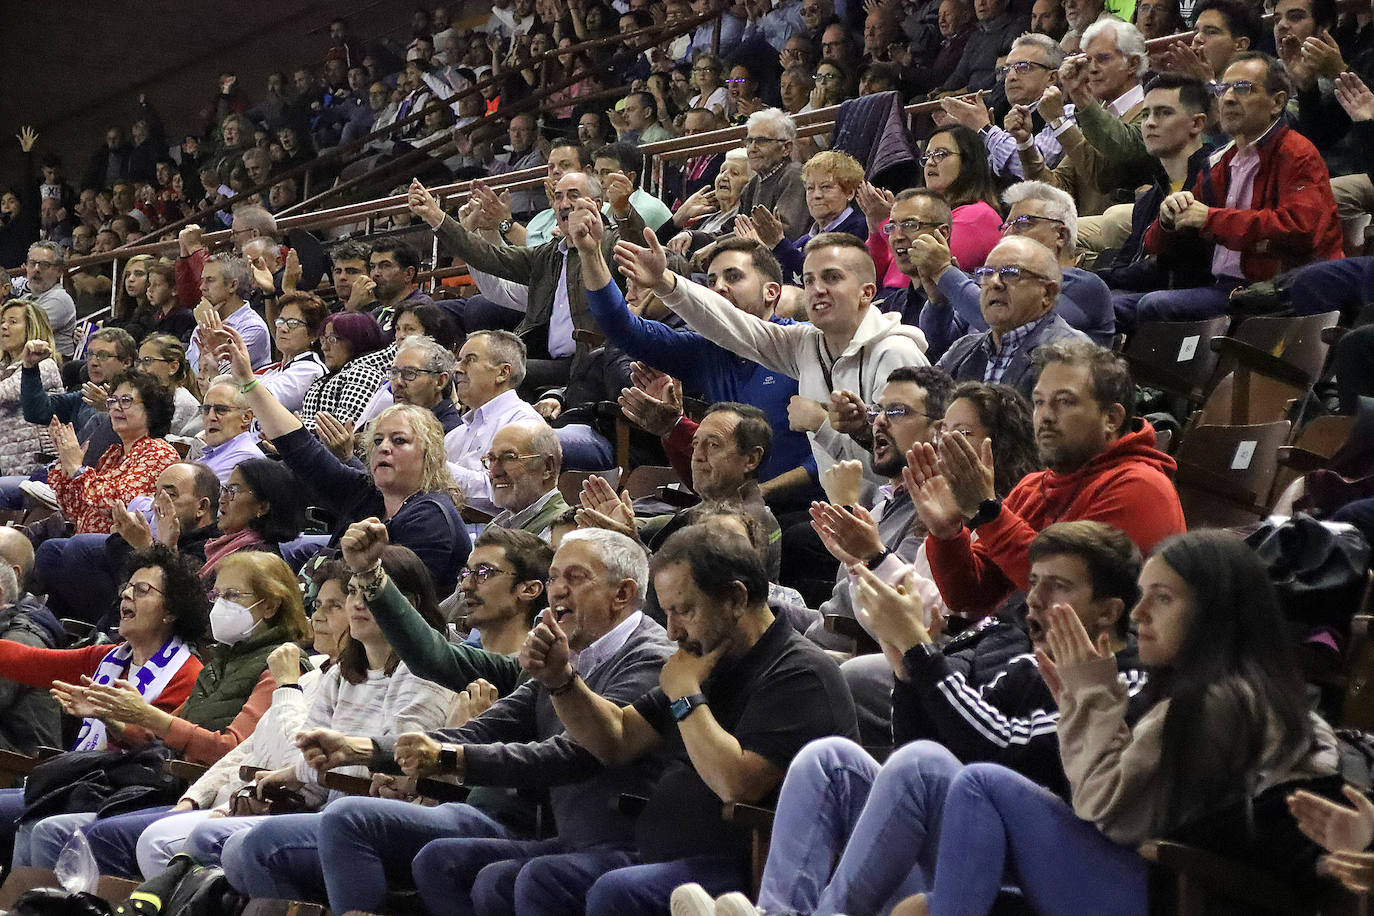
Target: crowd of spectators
x=312, y=513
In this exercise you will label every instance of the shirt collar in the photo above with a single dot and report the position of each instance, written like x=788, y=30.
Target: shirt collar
x=1126, y=101
x=1261, y=139
x=830, y=226
x=1013, y=339
x=592, y=657
x=246, y=439
x=477, y=413
x=518, y=519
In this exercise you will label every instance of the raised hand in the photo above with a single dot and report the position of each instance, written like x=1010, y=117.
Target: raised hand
x=892, y=615
x=843, y=482
x=972, y=111
x=131, y=526
x=681, y=243
x=806, y=414
x=471, y=702
x=117, y=702
x=69, y=451
x=931, y=493
x=334, y=436
x=291, y=276
x=683, y=673
x=285, y=664
x=235, y=352
x=1182, y=58
x=851, y=536
x=645, y=265
x=168, y=522
x=1069, y=643
x=700, y=203
x=1324, y=55
x=601, y=507
x=1018, y=123
x=362, y=544
x=35, y=351
x=657, y=416
x=1051, y=104
x=545, y=655
x=969, y=471
x=423, y=204
x=767, y=225
x=1333, y=826
x=618, y=189
x=495, y=206
x=72, y=699
x=1073, y=77
x=875, y=203
x=585, y=226
x=931, y=254
x=1354, y=97
x=27, y=137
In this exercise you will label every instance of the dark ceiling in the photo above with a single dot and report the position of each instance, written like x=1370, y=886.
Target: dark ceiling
x=72, y=69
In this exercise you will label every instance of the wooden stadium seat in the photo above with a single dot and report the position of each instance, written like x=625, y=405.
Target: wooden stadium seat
x=1225, y=473
x=647, y=479
x=570, y=483
x=1176, y=356
x=1357, y=702
x=1312, y=448
x=1266, y=364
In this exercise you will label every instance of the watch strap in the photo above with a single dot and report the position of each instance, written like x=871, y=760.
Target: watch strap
x=682, y=707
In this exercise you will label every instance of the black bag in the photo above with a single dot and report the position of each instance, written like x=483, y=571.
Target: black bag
x=53, y=901
x=184, y=889
x=1318, y=570
x=107, y=782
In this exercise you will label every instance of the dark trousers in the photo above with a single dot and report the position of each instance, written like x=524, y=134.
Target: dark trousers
x=1345, y=285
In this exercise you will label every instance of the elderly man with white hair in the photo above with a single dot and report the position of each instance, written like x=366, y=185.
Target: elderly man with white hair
x=777, y=185
x=1035, y=210
x=1104, y=155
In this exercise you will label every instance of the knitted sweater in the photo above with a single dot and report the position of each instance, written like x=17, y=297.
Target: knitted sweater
x=21, y=443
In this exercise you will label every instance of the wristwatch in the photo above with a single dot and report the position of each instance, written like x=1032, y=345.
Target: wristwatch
x=682, y=707
x=877, y=559
x=504, y=226
x=988, y=510
x=448, y=756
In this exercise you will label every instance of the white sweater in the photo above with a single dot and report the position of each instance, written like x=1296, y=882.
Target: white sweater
x=881, y=343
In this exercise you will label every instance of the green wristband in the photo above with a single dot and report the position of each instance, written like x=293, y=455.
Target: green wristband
x=244, y=389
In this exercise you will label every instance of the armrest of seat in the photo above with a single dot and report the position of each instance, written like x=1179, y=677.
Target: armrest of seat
x=1222, y=876
x=1257, y=360
x=43, y=752
x=1216, y=485
x=848, y=627
x=750, y=816
x=184, y=769
x=1301, y=460
x=349, y=785
x=440, y=790
x=476, y=516
x=17, y=763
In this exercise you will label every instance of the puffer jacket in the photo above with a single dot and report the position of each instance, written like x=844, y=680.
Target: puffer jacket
x=21, y=443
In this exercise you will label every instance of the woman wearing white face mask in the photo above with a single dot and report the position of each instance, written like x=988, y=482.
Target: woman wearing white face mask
x=256, y=608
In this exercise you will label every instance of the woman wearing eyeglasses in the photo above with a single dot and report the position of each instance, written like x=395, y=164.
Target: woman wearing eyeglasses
x=164, y=357
x=259, y=509
x=706, y=80
x=21, y=443
x=300, y=320
x=162, y=614
x=956, y=165
x=140, y=409
x=256, y=607
x=357, y=358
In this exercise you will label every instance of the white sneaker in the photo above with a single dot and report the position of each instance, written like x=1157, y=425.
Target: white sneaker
x=691, y=900
x=735, y=904
x=40, y=492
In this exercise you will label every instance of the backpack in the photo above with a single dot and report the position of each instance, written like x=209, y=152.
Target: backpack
x=184, y=889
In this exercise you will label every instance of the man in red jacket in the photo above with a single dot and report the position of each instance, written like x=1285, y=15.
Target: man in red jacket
x=1265, y=203
x=1102, y=466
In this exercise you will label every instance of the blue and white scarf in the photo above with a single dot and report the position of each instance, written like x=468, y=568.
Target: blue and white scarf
x=150, y=678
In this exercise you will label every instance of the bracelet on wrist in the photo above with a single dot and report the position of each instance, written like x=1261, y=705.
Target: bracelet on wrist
x=566, y=687
x=244, y=389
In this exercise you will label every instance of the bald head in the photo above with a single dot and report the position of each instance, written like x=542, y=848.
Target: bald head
x=16, y=550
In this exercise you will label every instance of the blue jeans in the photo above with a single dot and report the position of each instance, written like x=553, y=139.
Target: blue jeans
x=996, y=819
x=370, y=841
x=114, y=840
x=1345, y=285
x=1133, y=309
x=882, y=825
x=277, y=858
x=76, y=572
x=11, y=497
x=296, y=552
x=42, y=841
x=643, y=890
x=584, y=449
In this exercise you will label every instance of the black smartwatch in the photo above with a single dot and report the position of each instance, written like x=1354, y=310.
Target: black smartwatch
x=448, y=756
x=682, y=707
x=988, y=510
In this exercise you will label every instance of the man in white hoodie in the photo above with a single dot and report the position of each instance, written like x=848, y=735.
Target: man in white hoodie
x=841, y=359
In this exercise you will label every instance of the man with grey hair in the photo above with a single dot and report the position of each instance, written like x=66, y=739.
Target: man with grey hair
x=421, y=375
x=1019, y=285
x=524, y=462
x=596, y=587
x=226, y=428
x=43, y=283
x=28, y=716
x=555, y=299
x=1080, y=14
x=224, y=283
x=1105, y=155
x=777, y=185
x=1036, y=211
x=251, y=222
x=258, y=165
x=491, y=365
x=1029, y=70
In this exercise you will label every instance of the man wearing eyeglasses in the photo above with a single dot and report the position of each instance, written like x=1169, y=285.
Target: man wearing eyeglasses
x=1265, y=203
x=777, y=183
x=1019, y=286
x=524, y=462
x=43, y=281
x=226, y=428
x=1036, y=211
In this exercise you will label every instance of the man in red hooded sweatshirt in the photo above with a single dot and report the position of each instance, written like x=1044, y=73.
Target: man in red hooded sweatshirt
x=1102, y=466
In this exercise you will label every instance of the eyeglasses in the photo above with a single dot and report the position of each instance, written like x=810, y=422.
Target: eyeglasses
x=44, y=264
x=482, y=573
x=409, y=373
x=1242, y=88
x=1022, y=68
x=330, y=339
x=289, y=324
x=491, y=461
x=97, y=354
x=910, y=226
x=735, y=82
x=145, y=361
x=759, y=141
x=827, y=77
x=230, y=594
x=1008, y=274
x=218, y=410
x=123, y=402
x=1022, y=223
x=231, y=490
x=937, y=156
x=140, y=589
x=893, y=413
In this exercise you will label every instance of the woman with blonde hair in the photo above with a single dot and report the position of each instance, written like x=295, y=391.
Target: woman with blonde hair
x=21, y=443
x=131, y=310
x=831, y=179
x=164, y=357
x=407, y=484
